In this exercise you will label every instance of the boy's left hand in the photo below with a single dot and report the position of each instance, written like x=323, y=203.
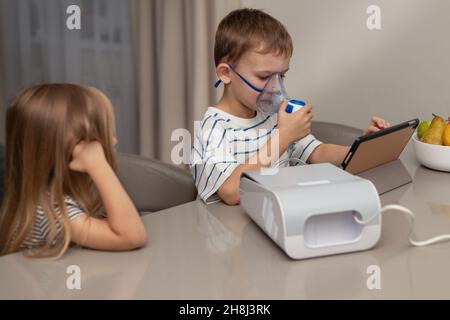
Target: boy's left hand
x=376, y=124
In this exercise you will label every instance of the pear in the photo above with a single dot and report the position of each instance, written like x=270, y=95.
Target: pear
x=446, y=136
x=435, y=131
x=422, y=128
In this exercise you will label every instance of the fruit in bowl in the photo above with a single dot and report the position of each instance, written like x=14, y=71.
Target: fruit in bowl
x=434, y=134
x=432, y=144
x=446, y=136
x=422, y=128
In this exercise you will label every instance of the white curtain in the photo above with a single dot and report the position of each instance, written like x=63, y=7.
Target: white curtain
x=174, y=42
x=37, y=47
x=152, y=58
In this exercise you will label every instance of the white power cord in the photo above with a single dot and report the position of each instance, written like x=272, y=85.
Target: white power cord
x=415, y=243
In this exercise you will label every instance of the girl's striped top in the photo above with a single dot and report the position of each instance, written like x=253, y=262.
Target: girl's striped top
x=41, y=228
x=223, y=141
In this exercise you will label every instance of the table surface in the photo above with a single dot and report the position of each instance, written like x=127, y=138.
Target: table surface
x=198, y=251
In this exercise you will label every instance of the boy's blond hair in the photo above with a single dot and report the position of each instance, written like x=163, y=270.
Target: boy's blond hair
x=243, y=30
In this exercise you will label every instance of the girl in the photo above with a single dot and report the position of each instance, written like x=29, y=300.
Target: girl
x=61, y=184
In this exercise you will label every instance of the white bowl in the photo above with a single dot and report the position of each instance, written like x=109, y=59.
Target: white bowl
x=432, y=156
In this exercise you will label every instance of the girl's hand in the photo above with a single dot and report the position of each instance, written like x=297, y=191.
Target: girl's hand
x=87, y=156
x=376, y=124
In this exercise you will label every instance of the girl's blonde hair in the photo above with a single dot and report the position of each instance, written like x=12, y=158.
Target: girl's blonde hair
x=43, y=125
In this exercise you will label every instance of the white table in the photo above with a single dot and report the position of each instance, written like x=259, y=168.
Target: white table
x=216, y=252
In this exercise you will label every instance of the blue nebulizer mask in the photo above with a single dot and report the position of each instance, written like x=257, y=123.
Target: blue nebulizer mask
x=272, y=95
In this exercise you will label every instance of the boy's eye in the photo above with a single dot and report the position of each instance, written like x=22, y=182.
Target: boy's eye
x=265, y=78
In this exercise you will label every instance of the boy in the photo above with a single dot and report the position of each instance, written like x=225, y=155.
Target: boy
x=250, y=46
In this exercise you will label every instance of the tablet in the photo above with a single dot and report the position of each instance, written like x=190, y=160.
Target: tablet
x=379, y=147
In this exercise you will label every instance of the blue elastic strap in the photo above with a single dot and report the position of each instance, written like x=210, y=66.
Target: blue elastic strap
x=245, y=80
x=242, y=78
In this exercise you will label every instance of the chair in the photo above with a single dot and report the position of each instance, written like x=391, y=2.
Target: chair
x=154, y=185
x=335, y=133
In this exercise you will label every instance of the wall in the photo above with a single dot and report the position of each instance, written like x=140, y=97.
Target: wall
x=350, y=73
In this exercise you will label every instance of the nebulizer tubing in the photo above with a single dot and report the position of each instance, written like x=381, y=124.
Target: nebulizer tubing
x=414, y=242
x=298, y=160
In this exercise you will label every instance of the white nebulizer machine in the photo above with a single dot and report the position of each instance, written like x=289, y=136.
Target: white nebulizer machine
x=309, y=210
x=317, y=210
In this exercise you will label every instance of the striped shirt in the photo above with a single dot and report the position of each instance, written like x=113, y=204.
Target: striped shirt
x=41, y=227
x=223, y=141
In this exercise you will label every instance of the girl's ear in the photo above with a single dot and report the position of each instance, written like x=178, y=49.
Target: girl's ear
x=223, y=73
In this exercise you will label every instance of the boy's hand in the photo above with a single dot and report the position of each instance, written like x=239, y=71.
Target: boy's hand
x=87, y=156
x=295, y=125
x=376, y=124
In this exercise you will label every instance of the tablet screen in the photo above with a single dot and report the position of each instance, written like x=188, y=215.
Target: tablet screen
x=379, y=148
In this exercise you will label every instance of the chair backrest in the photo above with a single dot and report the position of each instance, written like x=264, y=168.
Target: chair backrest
x=154, y=185
x=151, y=184
x=335, y=133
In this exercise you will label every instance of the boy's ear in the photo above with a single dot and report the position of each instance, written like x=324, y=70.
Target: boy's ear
x=223, y=73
